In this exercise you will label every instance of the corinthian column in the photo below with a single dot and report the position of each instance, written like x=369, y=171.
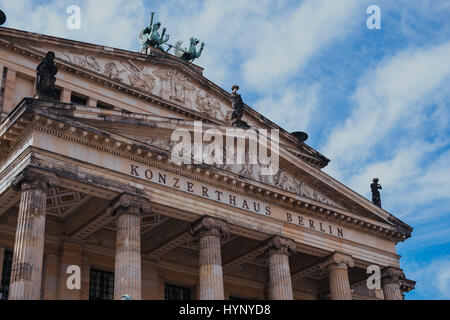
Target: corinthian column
x=337, y=266
x=280, y=283
x=127, y=275
x=26, y=270
x=209, y=231
x=390, y=282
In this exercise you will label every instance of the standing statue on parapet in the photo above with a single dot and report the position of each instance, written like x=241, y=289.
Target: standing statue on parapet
x=238, y=108
x=189, y=54
x=45, y=77
x=150, y=37
x=376, y=198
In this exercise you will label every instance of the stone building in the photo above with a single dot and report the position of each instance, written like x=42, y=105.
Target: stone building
x=88, y=187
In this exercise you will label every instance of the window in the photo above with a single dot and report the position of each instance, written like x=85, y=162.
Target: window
x=58, y=95
x=6, y=275
x=78, y=100
x=103, y=105
x=101, y=285
x=172, y=292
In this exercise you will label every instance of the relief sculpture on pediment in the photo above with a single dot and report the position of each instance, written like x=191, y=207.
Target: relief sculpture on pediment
x=169, y=83
x=113, y=72
x=205, y=103
x=87, y=62
x=174, y=85
x=138, y=78
x=281, y=179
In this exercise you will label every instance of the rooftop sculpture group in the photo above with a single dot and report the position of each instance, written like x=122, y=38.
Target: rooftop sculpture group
x=150, y=37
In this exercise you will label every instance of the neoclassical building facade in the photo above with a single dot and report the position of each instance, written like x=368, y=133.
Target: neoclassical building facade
x=88, y=187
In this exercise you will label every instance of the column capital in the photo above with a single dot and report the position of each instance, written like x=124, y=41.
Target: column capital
x=31, y=179
x=279, y=245
x=209, y=226
x=129, y=204
x=392, y=275
x=338, y=260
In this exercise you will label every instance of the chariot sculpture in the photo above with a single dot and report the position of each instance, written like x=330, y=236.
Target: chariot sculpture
x=150, y=37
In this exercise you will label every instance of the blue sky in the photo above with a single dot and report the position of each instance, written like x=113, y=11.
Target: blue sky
x=376, y=102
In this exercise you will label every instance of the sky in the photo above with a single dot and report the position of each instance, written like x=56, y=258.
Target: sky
x=374, y=101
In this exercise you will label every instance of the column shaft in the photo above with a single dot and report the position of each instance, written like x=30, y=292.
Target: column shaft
x=127, y=277
x=392, y=291
x=29, y=245
x=211, y=275
x=339, y=282
x=209, y=231
x=280, y=277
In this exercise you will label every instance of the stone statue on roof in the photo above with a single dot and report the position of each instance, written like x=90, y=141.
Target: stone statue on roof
x=45, y=77
x=376, y=197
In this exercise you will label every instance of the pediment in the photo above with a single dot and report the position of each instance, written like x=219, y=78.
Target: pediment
x=158, y=135
x=164, y=81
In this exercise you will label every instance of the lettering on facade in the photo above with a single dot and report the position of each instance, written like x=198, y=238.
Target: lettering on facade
x=229, y=198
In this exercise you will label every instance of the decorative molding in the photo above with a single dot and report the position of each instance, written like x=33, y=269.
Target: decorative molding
x=279, y=245
x=30, y=179
x=392, y=275
x=129, y=204
x=209, y=226
x=337, y=260
x=157, y=159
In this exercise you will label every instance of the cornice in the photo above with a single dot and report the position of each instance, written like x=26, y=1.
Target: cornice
x=154, y=157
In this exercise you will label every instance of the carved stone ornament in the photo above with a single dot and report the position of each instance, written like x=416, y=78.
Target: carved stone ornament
x=392, y=275
x=337, y=260
x=129, y=204
x=209, y=226
x=279, y=245
x=30, y=179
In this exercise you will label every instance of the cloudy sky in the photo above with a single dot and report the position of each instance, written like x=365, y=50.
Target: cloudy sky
x=376, y=102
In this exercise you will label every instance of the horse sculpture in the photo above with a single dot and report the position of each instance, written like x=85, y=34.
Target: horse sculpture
x=190, y=54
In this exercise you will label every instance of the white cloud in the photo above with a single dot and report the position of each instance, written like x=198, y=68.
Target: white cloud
x=295, y=108
x=386, y=99
x=113, y=23
x=430, y=277
x=288, y=42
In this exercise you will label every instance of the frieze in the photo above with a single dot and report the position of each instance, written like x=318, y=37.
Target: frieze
x=169, y=84
x=281, y=179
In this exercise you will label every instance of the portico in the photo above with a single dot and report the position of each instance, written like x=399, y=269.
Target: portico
x=97, y=187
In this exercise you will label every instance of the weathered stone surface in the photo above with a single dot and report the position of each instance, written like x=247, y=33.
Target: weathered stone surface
x=390, y=281
x=337, y=266
x=29, y=244
x=278, y=251
x=209, y=230
x=127, y=275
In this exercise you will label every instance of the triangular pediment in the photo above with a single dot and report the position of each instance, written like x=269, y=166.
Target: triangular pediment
x=163, y=76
